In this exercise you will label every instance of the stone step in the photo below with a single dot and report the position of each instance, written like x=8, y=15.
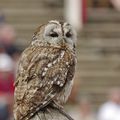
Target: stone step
x=22, y=19
x=101, y=30
x=21, y=3
x=98, y=42
x=88, y=66
x=100, y=34
x=97, y=96
x=31, y=12
x=99, y=82
x=27, y=2
x=99, y=73
x=97, y=58
x=95, y=90
x=17, y=21
x=103, y=15
x=99, y=27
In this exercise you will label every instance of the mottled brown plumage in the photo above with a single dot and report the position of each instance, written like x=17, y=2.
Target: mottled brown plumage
x=45, y=73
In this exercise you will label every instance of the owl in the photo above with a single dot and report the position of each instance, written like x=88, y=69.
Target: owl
x=45, y=70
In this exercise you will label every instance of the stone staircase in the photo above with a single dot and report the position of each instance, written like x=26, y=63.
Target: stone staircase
x=98, y=48
x=27, y=15
x=99, y=54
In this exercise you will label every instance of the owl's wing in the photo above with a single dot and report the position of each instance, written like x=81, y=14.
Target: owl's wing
x=40, y=78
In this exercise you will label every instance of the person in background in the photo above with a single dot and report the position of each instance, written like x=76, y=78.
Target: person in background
x=6, y=85
x=2, y=17
x=116, y=4
x=7, y=38
x=110, y=110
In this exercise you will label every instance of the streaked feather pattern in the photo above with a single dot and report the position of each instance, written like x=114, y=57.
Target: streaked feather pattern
x=44, y=76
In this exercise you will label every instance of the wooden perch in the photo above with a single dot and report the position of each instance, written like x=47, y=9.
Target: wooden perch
x=51, y=114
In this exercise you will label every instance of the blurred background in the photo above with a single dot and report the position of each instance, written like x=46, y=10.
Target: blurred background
x=96, y=91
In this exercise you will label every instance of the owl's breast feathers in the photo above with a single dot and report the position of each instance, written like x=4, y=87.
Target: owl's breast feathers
x=42, y=76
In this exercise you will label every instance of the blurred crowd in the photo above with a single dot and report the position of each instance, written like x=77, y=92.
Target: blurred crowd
x=109, y=110
x=9, y=55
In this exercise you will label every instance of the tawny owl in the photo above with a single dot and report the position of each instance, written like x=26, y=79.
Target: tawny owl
x=46, y=69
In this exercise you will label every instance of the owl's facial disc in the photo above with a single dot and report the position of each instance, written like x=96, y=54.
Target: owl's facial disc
x=57, y=33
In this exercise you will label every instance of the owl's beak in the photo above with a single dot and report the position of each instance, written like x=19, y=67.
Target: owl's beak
x=63, y=42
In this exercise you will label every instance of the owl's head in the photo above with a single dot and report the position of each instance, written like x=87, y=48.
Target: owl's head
x=56, y=33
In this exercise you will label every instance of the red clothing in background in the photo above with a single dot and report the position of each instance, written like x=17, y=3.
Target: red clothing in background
x=6, y=83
